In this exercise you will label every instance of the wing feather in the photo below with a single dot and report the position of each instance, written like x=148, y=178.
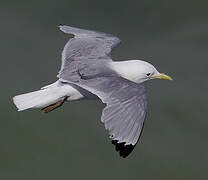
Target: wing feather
x=125, y=112
x=126, y=101
x=84, y=46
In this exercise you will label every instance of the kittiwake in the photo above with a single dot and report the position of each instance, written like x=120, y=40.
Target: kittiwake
x=88, y=72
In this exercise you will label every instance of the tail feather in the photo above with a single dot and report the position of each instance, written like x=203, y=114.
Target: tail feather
x=40, y=98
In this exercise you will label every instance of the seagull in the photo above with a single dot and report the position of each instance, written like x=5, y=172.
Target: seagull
x=88, y=72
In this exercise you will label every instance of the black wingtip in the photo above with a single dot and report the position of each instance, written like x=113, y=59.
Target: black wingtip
x=60, y=25
x=124, y=150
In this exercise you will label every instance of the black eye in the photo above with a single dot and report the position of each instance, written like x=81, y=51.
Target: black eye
x=148, y=74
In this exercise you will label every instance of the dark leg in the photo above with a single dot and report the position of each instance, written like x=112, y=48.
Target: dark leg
x=51, y=107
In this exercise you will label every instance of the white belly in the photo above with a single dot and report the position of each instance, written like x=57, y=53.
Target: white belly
x=64, y=90
x=73, y=94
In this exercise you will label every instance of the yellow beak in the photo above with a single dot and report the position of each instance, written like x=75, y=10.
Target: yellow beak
x=163, y=76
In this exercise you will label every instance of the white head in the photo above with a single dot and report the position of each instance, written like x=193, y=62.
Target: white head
x=138, y=71
x=146, y=71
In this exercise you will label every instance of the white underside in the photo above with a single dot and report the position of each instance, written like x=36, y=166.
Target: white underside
x=48, y=95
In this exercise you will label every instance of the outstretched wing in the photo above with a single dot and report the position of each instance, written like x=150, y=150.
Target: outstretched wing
x=125, y=112
x=126, y=101
x=85, y=46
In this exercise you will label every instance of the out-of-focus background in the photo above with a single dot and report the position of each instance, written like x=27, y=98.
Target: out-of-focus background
x=71, y=142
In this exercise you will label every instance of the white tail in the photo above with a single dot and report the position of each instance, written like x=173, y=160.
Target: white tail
x=42, y=98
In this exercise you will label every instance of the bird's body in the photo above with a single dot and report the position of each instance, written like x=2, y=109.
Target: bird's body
x=88, y=72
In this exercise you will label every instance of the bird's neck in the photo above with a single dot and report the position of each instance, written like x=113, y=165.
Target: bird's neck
x=127, y=69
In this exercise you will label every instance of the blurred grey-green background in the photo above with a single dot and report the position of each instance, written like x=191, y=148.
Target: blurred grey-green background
x=71, y=142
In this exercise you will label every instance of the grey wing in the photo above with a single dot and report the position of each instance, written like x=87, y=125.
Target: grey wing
x=125, y=112
x=85, y=46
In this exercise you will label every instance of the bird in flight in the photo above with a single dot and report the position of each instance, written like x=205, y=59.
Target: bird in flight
x=88, y=72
